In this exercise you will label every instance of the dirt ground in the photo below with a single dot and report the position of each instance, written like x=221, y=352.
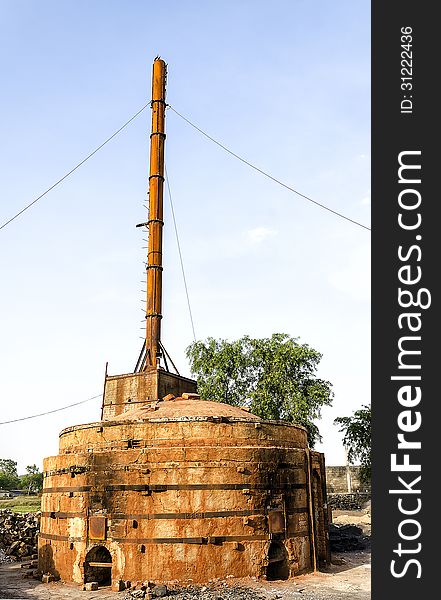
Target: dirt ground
x=348, y=578
x=361, y=518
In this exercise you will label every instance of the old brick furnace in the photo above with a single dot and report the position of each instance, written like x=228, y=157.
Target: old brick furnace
x=167, y=486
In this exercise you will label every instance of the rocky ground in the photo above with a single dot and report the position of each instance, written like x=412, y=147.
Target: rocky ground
x=347, y=580
x=361, y=518
x=348, y=577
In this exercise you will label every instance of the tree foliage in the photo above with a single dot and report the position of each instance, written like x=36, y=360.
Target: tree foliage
x=33, y=480
x=9, y=479
x=357, y=439
x=274, y=376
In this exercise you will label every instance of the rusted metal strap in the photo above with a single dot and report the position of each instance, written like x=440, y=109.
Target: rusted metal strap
x=202, y=515
x=63, y=515
x=204, y=486
x=168, y=487
x=218, y=539
x=127, y=402
x=195, y=540
x=59, y=538
x=160, y=133
x=154, y=516
x=80, y=488
x=142, y=487
x=146, y=223
x=157, y=267
x=160, y=100
x=75, y=470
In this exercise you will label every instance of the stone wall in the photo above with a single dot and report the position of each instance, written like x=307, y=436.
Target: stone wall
x=344, y=480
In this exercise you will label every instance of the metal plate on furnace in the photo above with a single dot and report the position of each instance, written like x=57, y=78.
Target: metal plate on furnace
x=276, y=521
x=97, y=527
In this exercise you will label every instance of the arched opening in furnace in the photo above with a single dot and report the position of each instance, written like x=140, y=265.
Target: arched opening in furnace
x=98, y=566
x=278, y=567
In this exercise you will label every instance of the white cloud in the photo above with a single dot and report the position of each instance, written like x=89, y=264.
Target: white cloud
x=259, y=234
x=366, y=201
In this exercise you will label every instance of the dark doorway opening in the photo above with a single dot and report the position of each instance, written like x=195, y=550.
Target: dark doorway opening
x=278, y=567
x=98, y=566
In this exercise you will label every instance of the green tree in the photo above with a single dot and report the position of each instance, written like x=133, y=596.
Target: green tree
x=33, y=480
x=9, y=479
x=357, y=439
x=274, y=376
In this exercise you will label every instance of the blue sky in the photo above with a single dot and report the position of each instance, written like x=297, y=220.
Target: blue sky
x=286, y=85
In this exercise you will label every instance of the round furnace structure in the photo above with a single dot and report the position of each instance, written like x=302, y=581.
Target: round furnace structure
x=183, y=489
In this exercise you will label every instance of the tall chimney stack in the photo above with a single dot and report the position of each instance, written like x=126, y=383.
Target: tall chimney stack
x=150, y=381
x=155, y=218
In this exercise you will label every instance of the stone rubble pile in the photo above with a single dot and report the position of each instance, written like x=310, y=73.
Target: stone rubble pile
x=347, y=538
x=18, y=535
x=348, y=501
x=220, y=591
x=4, y=558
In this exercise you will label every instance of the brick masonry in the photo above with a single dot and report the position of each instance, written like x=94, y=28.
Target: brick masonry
x=179, y=490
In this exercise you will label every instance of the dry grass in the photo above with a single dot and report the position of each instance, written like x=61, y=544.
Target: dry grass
x=21, y=504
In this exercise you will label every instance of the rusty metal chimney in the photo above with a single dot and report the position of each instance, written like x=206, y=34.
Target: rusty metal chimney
x=155, y=219
x=150, y=381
